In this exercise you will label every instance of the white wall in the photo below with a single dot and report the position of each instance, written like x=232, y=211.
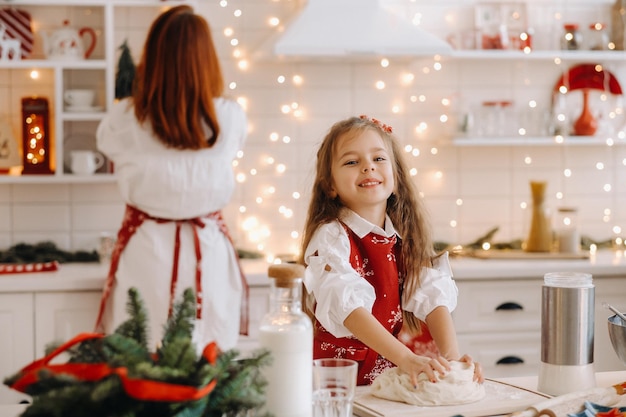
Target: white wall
x=491, y=181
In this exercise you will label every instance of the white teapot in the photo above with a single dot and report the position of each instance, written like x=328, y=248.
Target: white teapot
x=66, y=43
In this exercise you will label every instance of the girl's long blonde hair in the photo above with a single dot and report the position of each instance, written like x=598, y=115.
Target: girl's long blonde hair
x=404, y=206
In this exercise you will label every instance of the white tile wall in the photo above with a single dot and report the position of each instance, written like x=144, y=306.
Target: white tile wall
x=468, y=190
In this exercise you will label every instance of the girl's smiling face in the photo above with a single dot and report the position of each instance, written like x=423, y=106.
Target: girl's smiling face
x=362, y=174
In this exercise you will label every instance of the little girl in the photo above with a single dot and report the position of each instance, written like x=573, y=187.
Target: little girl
x=370, y=262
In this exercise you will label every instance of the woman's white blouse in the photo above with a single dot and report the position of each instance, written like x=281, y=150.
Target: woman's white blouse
x=172, y=183
x=341, y=290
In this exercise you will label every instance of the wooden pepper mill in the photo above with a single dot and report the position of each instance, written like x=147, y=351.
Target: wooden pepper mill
x=540, y=234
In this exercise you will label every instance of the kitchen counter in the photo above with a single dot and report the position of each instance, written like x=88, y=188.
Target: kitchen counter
x=603, y=379
x=604, y=263
x=91, y=276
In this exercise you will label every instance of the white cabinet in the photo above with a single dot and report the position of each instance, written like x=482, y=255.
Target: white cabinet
x=59, y=316
x=18, y=339
x=498, y=323
x=113, y=22
x=31, y=320
x=259, y=306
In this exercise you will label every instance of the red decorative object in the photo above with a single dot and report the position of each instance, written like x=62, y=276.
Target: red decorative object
x=588, y=76
x=35, y=136
x=18, y=26
x=586, y=124
x=613, y=412
x=137, y=388
x=29, y=268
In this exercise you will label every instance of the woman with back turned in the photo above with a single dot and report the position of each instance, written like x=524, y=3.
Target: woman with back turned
x=172, y=144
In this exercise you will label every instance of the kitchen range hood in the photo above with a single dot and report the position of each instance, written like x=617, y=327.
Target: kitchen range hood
x=327, y=28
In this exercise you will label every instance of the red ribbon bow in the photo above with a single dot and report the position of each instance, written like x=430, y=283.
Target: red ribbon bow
x=140, y=389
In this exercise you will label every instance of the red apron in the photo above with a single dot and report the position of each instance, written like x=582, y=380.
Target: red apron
x=133, y=218
x=374, y=257
x=422, y=343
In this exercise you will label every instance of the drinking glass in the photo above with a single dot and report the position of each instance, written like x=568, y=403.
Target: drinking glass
x=334, y=385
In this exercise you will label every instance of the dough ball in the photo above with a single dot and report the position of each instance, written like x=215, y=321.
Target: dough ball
x=455, y=387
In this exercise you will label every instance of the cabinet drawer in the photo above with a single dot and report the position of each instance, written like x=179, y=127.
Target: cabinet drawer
x=500, y=306
x=504, y=354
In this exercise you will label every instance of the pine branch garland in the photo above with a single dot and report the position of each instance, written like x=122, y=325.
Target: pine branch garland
x=25, y=253
x=240, y=384
x=135, y=327
x=180, y=325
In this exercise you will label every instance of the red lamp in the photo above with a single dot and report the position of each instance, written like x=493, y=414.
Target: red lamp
x=586, y=77
x=35, y=136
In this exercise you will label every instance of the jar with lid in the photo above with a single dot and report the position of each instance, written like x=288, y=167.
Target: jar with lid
x=597, y=38
x=572, y=37
x=566, y=228
x=287, y=332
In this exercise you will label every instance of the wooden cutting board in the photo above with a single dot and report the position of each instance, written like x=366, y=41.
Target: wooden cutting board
x=520, y=254
x=500, y=398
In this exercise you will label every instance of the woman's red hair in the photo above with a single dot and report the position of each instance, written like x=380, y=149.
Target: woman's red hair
x=177, y=79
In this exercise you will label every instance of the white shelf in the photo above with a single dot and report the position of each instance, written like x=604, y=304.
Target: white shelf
x=539, y=55
x=87, y=64
x=535, y=141
x=53, y=2
x=57, y=179
x=151, y=3
x=82, y=117
x=87, y=3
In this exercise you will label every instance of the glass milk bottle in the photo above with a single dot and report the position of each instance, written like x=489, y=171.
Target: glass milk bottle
x=566, y=228
x=286, y=331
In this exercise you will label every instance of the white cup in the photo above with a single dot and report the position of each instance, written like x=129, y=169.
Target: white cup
x=334, y=386
x=79, y=98
x=85, y=162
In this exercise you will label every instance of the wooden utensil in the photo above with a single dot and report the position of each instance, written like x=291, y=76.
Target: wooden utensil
x=616, y=311
x=574, y=401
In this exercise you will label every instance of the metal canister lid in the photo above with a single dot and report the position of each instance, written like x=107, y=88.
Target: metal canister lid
x=568, y=279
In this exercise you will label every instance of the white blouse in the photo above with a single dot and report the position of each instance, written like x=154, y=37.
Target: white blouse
x=166, y=182
x=341, y=290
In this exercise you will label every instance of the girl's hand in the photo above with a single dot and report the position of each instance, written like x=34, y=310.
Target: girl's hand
x=415, y=365
x=478, y=370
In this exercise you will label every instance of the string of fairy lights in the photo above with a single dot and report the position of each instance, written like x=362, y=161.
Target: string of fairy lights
x=259, y=233
x=262, y=234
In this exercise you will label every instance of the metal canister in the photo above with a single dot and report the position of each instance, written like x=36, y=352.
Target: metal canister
x=567, y=319
x=567, y=332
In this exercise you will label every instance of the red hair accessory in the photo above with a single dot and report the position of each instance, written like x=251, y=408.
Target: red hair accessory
x=378, y=123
